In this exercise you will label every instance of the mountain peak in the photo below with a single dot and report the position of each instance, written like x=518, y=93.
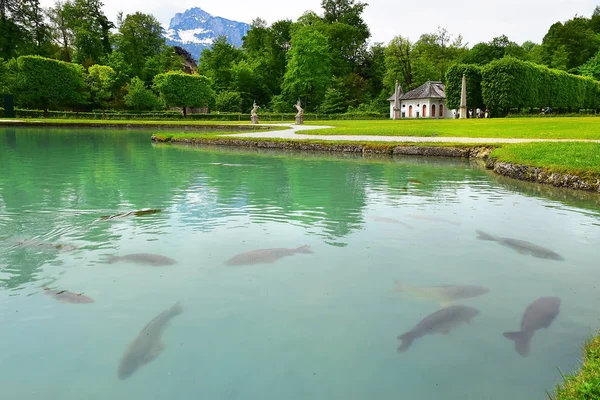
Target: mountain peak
x=195, y=30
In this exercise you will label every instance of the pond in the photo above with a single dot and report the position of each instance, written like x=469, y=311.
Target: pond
x=355, y=253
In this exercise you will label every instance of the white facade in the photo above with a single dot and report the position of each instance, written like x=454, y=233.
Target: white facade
x=426, y=101
x=423, y=108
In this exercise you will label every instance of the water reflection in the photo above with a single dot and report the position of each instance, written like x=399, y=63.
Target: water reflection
x=317, y=314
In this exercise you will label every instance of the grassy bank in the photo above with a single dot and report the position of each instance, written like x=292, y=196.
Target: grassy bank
x=581, y=159
x=541, y=128
x=585, y=384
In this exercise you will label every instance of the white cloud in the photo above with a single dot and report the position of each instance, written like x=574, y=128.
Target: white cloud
x=520, y=20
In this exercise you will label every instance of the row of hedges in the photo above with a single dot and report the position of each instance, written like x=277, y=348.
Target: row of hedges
x=454, y=86
x=510, y=83
x=176, y=115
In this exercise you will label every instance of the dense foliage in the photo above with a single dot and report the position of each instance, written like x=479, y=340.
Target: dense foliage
x=181, y=90
x=454, y=76
x=43, y=83
x=324, y=59
x=511, y=83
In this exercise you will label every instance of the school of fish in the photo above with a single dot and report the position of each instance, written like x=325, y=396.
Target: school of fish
x=148, y=345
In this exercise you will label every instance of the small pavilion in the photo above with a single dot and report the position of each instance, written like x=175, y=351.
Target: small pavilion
x=426, y=101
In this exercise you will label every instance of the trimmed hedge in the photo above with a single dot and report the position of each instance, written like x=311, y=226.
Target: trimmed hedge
x=454, y=86
x=45, y=83
x=511, y=83
x=178, y=89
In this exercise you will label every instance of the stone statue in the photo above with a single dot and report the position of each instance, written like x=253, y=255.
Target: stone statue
x=253, y=113
x=300, y=115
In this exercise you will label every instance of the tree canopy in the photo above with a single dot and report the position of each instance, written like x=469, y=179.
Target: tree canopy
x=324, y=58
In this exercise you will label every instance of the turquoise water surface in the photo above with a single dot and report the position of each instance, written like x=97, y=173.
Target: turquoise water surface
x=316, y=324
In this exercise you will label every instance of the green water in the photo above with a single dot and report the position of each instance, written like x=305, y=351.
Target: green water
x=307, y=326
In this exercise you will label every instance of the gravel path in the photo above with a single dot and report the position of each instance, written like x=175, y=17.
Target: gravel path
x=295, y=132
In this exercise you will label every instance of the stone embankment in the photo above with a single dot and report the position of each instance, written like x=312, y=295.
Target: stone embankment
x=521, y=172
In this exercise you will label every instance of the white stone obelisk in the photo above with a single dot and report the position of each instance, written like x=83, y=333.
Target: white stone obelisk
x=397, y=101
x=463, y=98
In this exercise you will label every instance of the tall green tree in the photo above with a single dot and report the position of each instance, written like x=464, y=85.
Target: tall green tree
x=13, y=32
x=90, y=30
x=265, y=48
x=61, y=31
x=399, y=59
x=347, y=33
x=497, y=48
x=139, y=38
x=39, y=31
x=439, y=50
x=217, y=63
x=308, y=71
x=569, y=45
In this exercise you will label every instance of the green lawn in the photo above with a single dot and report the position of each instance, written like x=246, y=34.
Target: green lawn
x=545, y=128
x=585, y=385
x=581, y=159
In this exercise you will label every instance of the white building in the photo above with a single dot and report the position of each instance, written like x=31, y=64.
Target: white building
x=426, y=101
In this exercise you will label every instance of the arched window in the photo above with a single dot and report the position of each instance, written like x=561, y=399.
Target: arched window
x=424, y=110
x=433, y=110
x=409, y=111
x=441, y=110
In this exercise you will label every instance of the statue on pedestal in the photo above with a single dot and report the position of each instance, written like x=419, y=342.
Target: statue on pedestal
x=300, y=115
x=253, y=113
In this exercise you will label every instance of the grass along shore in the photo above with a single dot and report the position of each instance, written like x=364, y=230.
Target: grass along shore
x=580, y=159
x=538, y=128
x=585, y=384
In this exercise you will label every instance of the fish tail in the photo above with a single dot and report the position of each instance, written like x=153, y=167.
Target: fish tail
x=485, y=236
x=407, y=340
x=304, y=249
x=522, y=341
x=177, y=308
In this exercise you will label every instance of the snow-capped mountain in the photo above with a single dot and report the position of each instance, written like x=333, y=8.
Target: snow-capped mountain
x=195, y=30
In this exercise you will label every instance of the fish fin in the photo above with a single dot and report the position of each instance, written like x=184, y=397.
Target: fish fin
x=522, y=251
x=522, y=341
x=177, y=308
x=304, y=249
x=485, y=236
x=154, y=352
x=407, y=340
x=112, y=259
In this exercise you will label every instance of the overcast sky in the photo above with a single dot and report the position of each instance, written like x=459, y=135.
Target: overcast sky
x=477, y=21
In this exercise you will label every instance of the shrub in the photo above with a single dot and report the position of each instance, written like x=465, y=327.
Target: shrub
x=139, y=97
x=182, y=90
x=229, y=102
x=44, y=83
